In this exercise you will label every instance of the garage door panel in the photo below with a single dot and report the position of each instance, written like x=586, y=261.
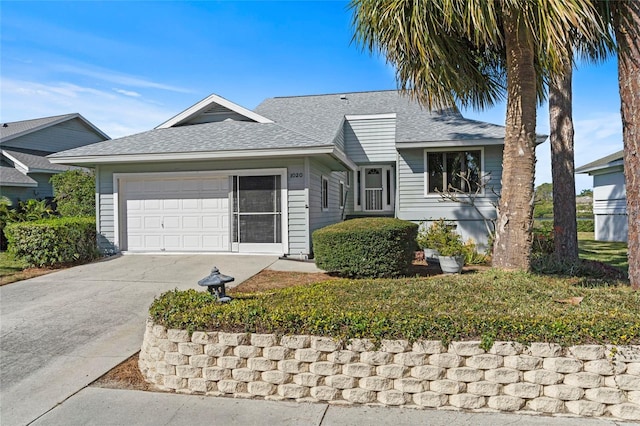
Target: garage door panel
x=177, y=214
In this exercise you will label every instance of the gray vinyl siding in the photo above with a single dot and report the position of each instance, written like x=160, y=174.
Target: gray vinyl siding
x=18, y=193
x=218, y=116
x=610, y=206
x=296, y=203
x=413, y=205
x=338, y=141
x=22, y=193
x=371, y=140
x=67, y=135
x=319, y=218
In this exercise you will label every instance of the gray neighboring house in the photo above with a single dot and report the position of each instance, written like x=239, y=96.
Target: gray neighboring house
x=609, y=197
x=25, y=169
x=220, y=177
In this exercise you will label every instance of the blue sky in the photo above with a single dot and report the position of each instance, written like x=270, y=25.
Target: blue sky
x=129, y=66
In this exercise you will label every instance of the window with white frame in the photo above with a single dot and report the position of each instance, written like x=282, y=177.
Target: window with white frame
x=342, y=194
x=324, y=193
x=452, y=169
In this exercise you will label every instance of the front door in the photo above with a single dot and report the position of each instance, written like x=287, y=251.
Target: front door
x=377, y=188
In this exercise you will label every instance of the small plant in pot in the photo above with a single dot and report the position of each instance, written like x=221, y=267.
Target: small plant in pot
x=451, y=250
x=428, y=237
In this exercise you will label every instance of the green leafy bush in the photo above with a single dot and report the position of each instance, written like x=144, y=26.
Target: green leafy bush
x=483, y=306
x=368, y=247
x=74, y=192
x=51, y=242
x=586, y=225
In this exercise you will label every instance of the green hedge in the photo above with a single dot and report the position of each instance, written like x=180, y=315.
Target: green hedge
x=368, y=247
x=486, y=306
x=52, y=242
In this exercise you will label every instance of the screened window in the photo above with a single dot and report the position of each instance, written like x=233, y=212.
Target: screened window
x=447, y=170
x=324, y=193
x=257, y=209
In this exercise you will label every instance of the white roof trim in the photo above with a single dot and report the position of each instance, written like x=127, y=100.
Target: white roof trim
x=206, y=104
x=62, y=119
x=21, y=185
x=369, y=116
x=17, y=162
x=191, y=156
x=450, y=143
x=614, y=166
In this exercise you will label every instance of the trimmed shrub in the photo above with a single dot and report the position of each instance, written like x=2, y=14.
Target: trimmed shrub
x=52, y=242
x=367, y=247
x=486, y=305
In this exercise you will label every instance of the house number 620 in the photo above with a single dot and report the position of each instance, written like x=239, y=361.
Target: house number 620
x=295, y=175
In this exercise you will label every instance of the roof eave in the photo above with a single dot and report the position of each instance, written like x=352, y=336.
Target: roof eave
x=192, y=156
x=618, y=164
x=449, y=143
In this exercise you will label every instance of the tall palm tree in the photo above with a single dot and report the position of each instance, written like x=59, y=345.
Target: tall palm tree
x=562, y=131
x=626, y=25
x=457, y=51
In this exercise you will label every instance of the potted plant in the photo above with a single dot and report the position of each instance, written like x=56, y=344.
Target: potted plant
x=450, y=248
x=428, y=236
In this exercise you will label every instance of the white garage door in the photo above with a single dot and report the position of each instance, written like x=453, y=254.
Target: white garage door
x=176, y=214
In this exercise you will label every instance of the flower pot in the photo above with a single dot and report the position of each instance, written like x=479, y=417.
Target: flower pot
x=451, y=264
x=431, y=255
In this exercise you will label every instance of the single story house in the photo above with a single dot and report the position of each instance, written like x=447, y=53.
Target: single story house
x=25, y=169
x=220, y=177
x=609, y=197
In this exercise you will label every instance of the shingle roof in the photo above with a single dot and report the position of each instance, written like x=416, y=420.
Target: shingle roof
x=611, y=160
x=220, y=136
x=19, y=127
x=35, y=162
x=320, y=116
x=14, y=129
x=12, y=177
x=299, y=122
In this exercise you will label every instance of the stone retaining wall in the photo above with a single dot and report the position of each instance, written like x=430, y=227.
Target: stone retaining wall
x=587, y=380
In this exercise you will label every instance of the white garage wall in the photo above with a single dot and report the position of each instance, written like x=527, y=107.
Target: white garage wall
x=297, y=196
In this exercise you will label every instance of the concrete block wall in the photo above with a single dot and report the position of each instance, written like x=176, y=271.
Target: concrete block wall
x=587, y=380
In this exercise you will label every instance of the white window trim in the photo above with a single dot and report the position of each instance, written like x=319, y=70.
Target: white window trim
x=324, y=192
x=427, y=194
x=119, y=178
x=341, y=201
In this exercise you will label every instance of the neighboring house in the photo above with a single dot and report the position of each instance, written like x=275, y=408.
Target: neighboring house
x=219, y=177
x=609, y=197
x=24, y=168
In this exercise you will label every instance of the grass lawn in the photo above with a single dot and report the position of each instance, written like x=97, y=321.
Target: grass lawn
x=12, y=270
x=614, y=254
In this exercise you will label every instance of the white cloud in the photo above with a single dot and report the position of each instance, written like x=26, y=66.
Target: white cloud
x=115, y=114
x=128, y=93
x=115, y=77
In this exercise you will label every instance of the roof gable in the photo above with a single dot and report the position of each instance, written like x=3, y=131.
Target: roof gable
x=15, y=129
x=211, y=109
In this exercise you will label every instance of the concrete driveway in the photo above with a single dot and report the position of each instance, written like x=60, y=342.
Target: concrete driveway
x=60, y=332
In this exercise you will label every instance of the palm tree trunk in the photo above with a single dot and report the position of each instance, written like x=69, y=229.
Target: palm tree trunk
x=562, y=165
x=512, y=246
x=626, y=16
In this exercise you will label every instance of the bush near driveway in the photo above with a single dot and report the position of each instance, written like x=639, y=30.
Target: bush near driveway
x=367, y=247
x=486, y=306
x=53, y=242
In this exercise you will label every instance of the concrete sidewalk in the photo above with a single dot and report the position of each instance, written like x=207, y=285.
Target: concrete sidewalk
x=97, y=406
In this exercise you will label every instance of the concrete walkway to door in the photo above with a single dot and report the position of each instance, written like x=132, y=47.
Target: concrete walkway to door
x=60, y=332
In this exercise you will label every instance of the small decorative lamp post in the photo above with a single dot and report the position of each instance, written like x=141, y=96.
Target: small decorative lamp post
x=215, y=283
